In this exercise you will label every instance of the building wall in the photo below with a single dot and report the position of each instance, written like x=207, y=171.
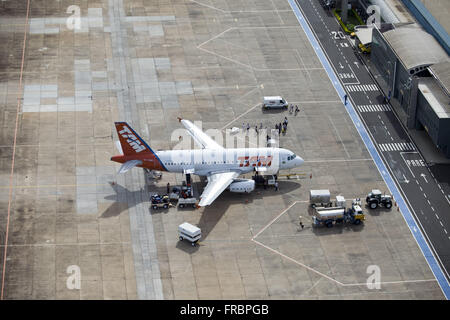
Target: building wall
x=389, y=67
x=438, y=129
x=444, y=136
x=382, y=56
x=427, y=118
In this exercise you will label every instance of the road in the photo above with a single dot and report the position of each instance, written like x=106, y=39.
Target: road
x=424, y=195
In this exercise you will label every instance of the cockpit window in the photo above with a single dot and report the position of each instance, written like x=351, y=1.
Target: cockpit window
x=291, y=157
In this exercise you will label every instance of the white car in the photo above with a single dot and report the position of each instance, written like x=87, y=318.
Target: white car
x=275, y=103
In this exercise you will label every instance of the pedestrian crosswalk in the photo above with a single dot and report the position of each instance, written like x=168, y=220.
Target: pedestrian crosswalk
x=374, y=108
x=361, y=87
x=400, y=146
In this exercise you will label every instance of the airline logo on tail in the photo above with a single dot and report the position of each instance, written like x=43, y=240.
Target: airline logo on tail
x=131, y=147
x=131, y=143
x=131, y=139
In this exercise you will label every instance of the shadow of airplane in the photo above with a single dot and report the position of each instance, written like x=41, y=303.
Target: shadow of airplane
x=118, y=206
x=212, y=214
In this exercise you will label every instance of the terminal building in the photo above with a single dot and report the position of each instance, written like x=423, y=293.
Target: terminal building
x=413, y=70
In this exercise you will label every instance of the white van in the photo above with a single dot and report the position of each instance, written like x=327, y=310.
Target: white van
x=274, y=102
x=189, y=232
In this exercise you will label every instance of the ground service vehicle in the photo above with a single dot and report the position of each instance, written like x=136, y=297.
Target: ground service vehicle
x=320, y=198
x=189, y=232
x=184, y=196
x=326, y=216
x=159, y=201
x=184, y=202
x=375, y=199
x=275, y=103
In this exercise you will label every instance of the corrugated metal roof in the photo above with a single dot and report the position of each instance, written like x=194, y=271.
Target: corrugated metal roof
x=415, y=47
x=442, y=72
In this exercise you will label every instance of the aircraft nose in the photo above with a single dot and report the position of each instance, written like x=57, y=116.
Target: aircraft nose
x=298, y=161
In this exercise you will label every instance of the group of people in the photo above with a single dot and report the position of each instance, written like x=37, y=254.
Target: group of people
x=282, y=127
x=247, y=127
x=291, y=109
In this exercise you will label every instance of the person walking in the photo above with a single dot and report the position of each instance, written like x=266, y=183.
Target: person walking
x=296, y=110
x=345, y=99
x=301, y=222
x=256, y=129
x=276, y=185
x=168, y=187
x=279, y=128
x=248, y=126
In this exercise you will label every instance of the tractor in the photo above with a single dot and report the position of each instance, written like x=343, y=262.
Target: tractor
x=376, y=198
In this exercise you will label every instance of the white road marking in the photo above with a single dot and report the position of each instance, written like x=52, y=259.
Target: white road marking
x=374, y=108
x=362, y=87
x=396, y=146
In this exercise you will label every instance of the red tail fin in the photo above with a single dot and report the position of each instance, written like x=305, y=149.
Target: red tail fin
x=130, y=141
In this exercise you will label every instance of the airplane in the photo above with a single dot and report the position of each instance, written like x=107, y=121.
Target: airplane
x=222, y=166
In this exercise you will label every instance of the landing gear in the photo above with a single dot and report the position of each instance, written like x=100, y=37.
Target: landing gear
x=188, y=179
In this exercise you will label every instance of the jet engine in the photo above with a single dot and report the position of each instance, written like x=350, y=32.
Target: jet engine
x=242, y=185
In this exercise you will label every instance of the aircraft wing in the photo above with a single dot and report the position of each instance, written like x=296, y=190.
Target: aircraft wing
x=217, y=182
x=201, y=138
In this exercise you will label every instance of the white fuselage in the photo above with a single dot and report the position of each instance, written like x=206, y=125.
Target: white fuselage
x=204, y=161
